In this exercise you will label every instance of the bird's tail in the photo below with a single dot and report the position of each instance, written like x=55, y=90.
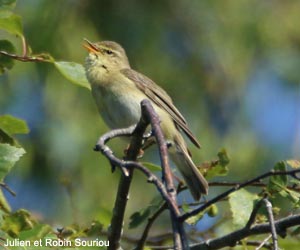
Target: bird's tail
x=194, y=180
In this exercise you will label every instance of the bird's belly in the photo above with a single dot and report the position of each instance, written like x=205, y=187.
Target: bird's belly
x=118, y=110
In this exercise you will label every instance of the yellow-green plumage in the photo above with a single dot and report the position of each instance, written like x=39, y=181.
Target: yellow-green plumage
x=118, y=91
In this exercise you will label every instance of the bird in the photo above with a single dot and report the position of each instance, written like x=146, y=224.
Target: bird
x=118, y=91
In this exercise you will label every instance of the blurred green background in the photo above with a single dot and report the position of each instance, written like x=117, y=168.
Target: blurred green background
x=231, y=67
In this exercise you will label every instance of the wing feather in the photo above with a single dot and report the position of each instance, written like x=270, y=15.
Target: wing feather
x=160, y=98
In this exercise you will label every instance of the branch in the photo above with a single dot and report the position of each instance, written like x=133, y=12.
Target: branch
x=262, y=244
x=116, y=226
x=148, y=116
x=270, y=218
x=233, y=238
x=151, y=220
x=7, y=188
x=272, y=224
x=25, y=58
x=141, y=242
x=223, y=195
x=258, y=244
x=132, y=164
x=230, y=184
x=255, y=211
x=100, y=146
x=180, y=240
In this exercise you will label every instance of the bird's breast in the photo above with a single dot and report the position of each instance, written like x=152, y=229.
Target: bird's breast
x=118, y=104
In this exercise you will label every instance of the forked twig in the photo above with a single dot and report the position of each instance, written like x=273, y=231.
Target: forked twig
x=168, y=193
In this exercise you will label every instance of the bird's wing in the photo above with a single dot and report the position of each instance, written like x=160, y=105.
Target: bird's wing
x=160, y=98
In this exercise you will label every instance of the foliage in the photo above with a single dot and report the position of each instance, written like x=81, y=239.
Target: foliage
x=241, y=206
x=74, y=72
x=6, y=62
x=10, y=153
x=230, y=42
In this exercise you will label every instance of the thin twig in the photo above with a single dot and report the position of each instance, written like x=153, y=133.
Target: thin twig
x=230, y=184
x=264, y=243
x=151, y=220
x=254, y=213
x=100, y=146
x=291, y=173
x=152, y=178
x=32, y=58
x=271, y=221
x=231, y=239
x=293, y=187
x=257, y=244
x=141, y=242
x=7, y=188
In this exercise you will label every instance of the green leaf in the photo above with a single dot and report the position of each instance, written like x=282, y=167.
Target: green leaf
x=216, y=170
x=139, y=217
x=223, y=157
x=293, y=163
x=9, y=126
x=16, y=222
x=296, y=231
x=152, y=167
x=74, y=72
x=278, y=182
x=211, y=211
x=7, y=4
x=12, y=125
x=217, y=167
x=37, y=232
x=5, y=61
x=195, y=219
x=241, y=205
x=294, y=197
x=289, y=243
x=70, y=232
x=11, y=23
x=95, y=229
x=104, y=216
x=185, y=207
x=5, y=138
x=9, y=155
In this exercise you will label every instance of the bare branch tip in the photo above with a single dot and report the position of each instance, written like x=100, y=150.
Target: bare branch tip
x=97, y=148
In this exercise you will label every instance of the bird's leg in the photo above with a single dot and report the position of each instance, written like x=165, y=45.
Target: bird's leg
x=140, y=154
x=149, y=140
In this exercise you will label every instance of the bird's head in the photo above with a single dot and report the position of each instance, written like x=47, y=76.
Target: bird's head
x=105, y=56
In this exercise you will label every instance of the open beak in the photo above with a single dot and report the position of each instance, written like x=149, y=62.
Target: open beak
x=90, y=46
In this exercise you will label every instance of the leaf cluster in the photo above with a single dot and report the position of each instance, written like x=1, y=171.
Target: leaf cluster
x=21, y=224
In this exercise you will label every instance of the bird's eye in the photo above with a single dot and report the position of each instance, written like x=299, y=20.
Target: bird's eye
x=109, y=52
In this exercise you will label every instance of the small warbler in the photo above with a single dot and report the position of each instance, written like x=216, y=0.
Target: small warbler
x=118, y=91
